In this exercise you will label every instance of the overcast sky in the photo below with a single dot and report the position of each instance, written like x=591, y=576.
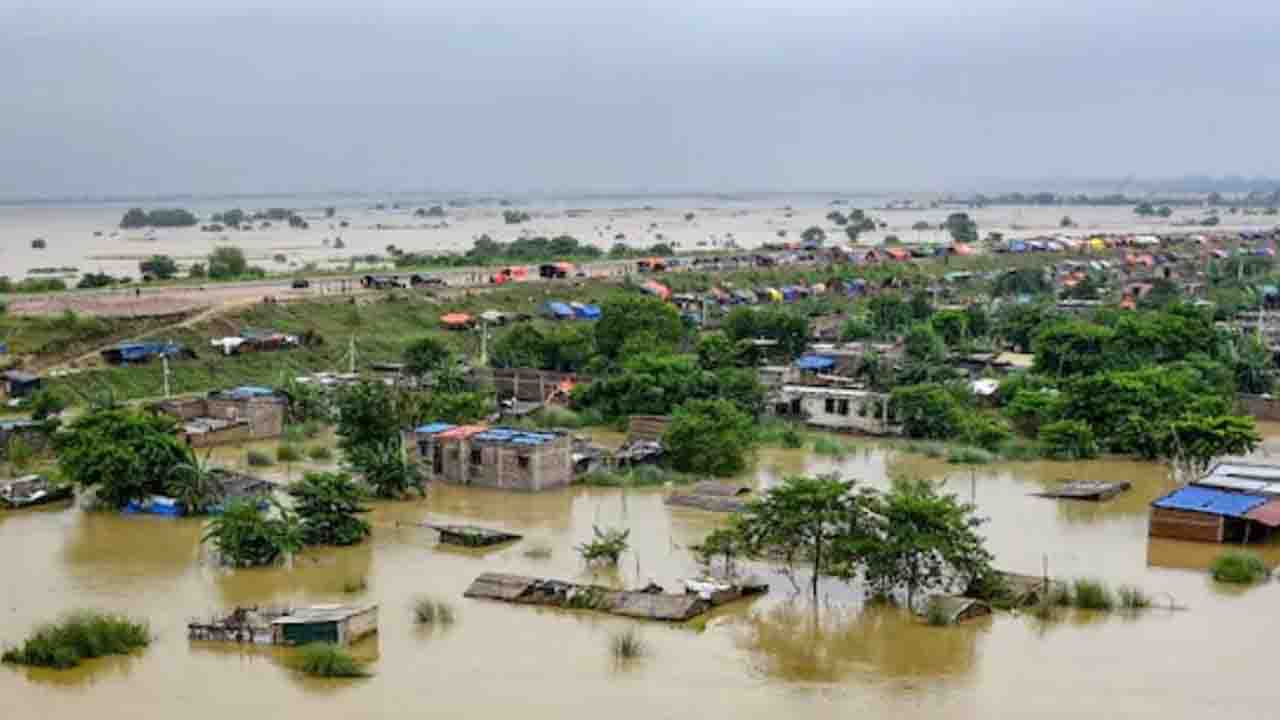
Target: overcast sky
x=111, y=97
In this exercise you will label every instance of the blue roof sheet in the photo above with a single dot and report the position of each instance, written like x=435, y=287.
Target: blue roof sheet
x=1196, y=498
x=515, y=437
x=434, y=428
x=815, y=362
x=559, y=308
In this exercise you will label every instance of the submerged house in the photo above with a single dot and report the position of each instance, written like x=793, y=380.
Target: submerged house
x=142, y=352
x=229, y=416
x=498, y=457
x=1234, y=502
x=16, y=384
x=337, y=624
x=837, y=408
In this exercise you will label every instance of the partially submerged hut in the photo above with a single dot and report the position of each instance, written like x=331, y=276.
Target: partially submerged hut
x=337, y=624
x=648, y=604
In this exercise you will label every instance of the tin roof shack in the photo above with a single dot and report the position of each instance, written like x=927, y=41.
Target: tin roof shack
x=498, y=457
x=843, y=409
x=1209, y=514
x=337, y=624
x=143, y=352
x=231, y=416
x=17, y=384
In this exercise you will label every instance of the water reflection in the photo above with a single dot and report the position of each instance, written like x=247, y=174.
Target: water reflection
x=787, y=642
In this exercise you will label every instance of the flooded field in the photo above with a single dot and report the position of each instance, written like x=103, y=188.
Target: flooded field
x=760, y=659
x=87, y=237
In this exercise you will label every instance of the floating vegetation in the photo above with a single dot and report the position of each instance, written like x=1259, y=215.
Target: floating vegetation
x=1089, y=594
x=327, y=660
x=1132, y=598
x=639, y=476
x=965, y=455
x=81, y=636
x=1237, y=566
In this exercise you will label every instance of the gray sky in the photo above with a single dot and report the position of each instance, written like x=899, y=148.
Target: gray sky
x=151, y=97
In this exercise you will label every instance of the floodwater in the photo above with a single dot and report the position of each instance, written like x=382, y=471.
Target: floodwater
x=86, y=237
x=762, y=659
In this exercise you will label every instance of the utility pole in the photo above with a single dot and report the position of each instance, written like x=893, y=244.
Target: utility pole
x=164, y=360
x=484, y=342
x=352, y=356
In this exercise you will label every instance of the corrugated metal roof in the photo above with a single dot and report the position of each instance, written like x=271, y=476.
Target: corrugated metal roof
x=1227, y=482
x=815, y=362
x=515, y=437
x=463, y=431
x=1250, y=471
x=1212, y=501
x=1268, y=514
x=433, y=428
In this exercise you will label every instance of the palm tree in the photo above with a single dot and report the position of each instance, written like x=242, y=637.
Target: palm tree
x=195, y=484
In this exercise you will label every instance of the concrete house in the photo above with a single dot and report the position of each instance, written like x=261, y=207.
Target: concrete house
x=837, y=408
x=498, y=457
x=230, y=416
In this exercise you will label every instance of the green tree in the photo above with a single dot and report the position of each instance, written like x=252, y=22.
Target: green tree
x=1252, y=365
x=227, y=262
x=385, y=471
x=789, y=330
x=924, y=345
x=715, y=351
x=856, y=328
x=977, y=320
x=962, y=228
x=708, y=436
x=427, y=355
x=523, y=346
x=134, y=218
x=819, y=523
x=47, y=403
x=1022, y=281
x=927, y=541
x=1195, y=441
x=124, y=454
x=890, y=312
x=1068, y=440
x=244, y=536
x=626, y=316
x=195, y=484
x=927, y=411
x=160, y=267
x=813, y=235
x=1073, y=347
x=328, y=507
x=605, y=547
x=952, y=326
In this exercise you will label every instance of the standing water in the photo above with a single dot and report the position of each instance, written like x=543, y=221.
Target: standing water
x=766, y=658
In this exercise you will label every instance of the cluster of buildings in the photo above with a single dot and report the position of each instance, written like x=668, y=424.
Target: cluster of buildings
x=241, y=414
x=1235, y=502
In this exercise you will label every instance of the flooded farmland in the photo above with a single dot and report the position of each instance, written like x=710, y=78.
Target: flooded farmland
x=761, y=658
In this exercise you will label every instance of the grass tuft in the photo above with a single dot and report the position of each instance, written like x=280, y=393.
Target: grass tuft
x=1132, y=598
x=326, y=660
x=928, y=449
x=936, y=615
x=1236, y=566
x=627, y=645
x=81, y=636
x=823, y=445
x=288, y=453
x=1092, y=595
x=320, y=453
x=428, y=611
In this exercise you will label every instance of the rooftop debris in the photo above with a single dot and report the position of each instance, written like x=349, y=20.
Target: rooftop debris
x=652, y=603
x=956, y=608
x=31, y=490
x=1085, y=490
x=471, y=535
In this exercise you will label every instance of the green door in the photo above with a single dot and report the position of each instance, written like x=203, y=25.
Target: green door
x=304, y=633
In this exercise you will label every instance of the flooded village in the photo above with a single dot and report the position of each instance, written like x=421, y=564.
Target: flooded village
x=1018, y=464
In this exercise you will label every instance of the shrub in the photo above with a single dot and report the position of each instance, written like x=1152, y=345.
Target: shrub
x=1068, y=440
x=791, y=438
x=427, y=611
x=627, y=645
x=1235, y=566
x=326, y=660
x=257, y=458
x=970, y=456
x=985, y=431
x=288, y=453
x=558, y=417
x=81, y=636
x=827, y=446
x=606, y=547
x=292, y=434
x=1091, y=595
x=320, y=453
x=1132, y=598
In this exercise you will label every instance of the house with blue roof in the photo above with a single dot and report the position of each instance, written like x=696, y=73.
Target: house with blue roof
x=495, y=457
x=1235, y=502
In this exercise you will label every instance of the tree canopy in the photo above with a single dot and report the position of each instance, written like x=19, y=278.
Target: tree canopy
x=708, y=436
x=126, y=455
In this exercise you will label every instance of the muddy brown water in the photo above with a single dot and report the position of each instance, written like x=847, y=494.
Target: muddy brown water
x=767, y=658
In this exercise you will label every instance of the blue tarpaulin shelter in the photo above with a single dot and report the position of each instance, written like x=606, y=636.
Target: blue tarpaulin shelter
x=1196, y=498
x=586, y=312
x=557, y=309
x=815, y=363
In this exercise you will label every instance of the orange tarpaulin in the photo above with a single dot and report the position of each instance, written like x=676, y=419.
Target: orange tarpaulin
x=456, y=319
x=657, y=288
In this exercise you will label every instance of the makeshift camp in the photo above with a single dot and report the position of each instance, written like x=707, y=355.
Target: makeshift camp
x=337, y=624
x=131, y=353
x=557, y=310
x=649, y=604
